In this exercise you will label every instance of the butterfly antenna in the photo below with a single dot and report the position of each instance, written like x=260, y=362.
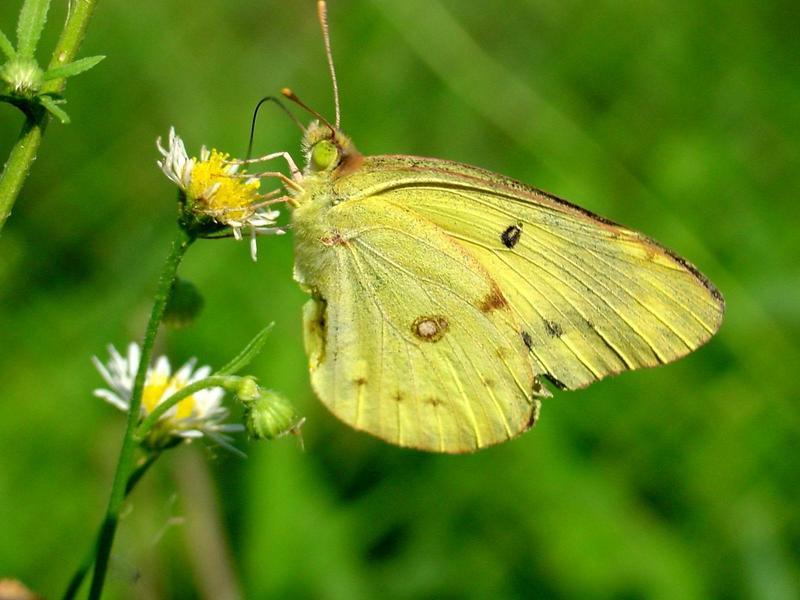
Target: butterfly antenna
x=255, y=115
x=289, y=94
x=322, y=11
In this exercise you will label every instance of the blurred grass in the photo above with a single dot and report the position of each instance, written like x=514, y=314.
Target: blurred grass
x=680, y=120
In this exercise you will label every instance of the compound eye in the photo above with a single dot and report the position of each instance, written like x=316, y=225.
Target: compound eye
x=324, y=155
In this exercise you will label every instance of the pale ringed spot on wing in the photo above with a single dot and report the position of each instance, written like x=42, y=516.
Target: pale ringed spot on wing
x=429, y=328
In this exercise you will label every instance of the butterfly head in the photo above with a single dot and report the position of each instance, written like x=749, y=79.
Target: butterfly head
x=326, y=148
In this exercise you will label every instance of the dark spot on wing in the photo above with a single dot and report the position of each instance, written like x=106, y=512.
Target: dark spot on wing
x=511, y=235
x=429, y=328
x=360, y=381
x=317, y=330
x=553, y=329
x=433, y=401
x=493, y=300
x=397, y=397
x=560, y=385
x=526, y=338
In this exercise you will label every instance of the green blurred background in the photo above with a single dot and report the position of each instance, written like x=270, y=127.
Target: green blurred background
x=679, y=119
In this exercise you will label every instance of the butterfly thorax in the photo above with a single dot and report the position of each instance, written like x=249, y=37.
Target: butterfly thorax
x=329, y=155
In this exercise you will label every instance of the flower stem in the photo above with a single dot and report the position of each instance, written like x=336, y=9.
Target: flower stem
x=127, y=452
x=224, y=381
x=24, y=151
x=19, y=161
x=69, y=42
x=88, y=560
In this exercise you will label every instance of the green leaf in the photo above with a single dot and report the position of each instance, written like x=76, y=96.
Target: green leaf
x=73, y=68
x=32, y=18
x=54, y=109
x=6, y=47
x=246, y=355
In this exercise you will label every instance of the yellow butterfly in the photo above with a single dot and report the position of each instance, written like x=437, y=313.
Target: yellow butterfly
x=444, y=297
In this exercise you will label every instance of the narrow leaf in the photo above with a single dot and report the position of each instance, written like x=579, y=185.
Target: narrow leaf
x=73, y=68
x=54, y=109
x=32, y=18
x=249, y=352
x=6, y=47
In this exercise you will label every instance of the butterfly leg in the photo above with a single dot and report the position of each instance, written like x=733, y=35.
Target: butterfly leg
x=287, y=181
x=296, y=173
x=265, y=199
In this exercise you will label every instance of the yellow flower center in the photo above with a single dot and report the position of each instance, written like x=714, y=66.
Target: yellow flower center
x=234, y=196
x=154, y=390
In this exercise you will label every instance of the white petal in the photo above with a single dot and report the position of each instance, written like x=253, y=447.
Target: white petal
x=111, y=398
x=162, y=366
x=185, y=372
x=134, y=355
x=191, y=433
x=253, y=245
x=103, y=371
x=116, y=357
x=201, y=373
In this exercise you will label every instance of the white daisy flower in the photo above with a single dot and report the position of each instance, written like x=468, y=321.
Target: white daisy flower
x=198, y=415
x=215, y=189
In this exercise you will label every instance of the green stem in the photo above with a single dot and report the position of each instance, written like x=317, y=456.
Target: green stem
x=126, y=455
x=88, y=559
x=19, y=162
x=24, y=151
x=69, y=42
x=224, y=381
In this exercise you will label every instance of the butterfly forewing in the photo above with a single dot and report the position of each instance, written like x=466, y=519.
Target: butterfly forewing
x=589, y=298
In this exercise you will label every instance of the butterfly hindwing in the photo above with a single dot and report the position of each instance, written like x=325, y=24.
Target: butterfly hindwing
x=409, y=337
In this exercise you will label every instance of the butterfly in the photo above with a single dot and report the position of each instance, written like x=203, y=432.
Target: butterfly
x=446, y=299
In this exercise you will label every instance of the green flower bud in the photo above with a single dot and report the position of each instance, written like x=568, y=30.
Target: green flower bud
x=23, y=75
x=247, y=390
x=270, y=416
